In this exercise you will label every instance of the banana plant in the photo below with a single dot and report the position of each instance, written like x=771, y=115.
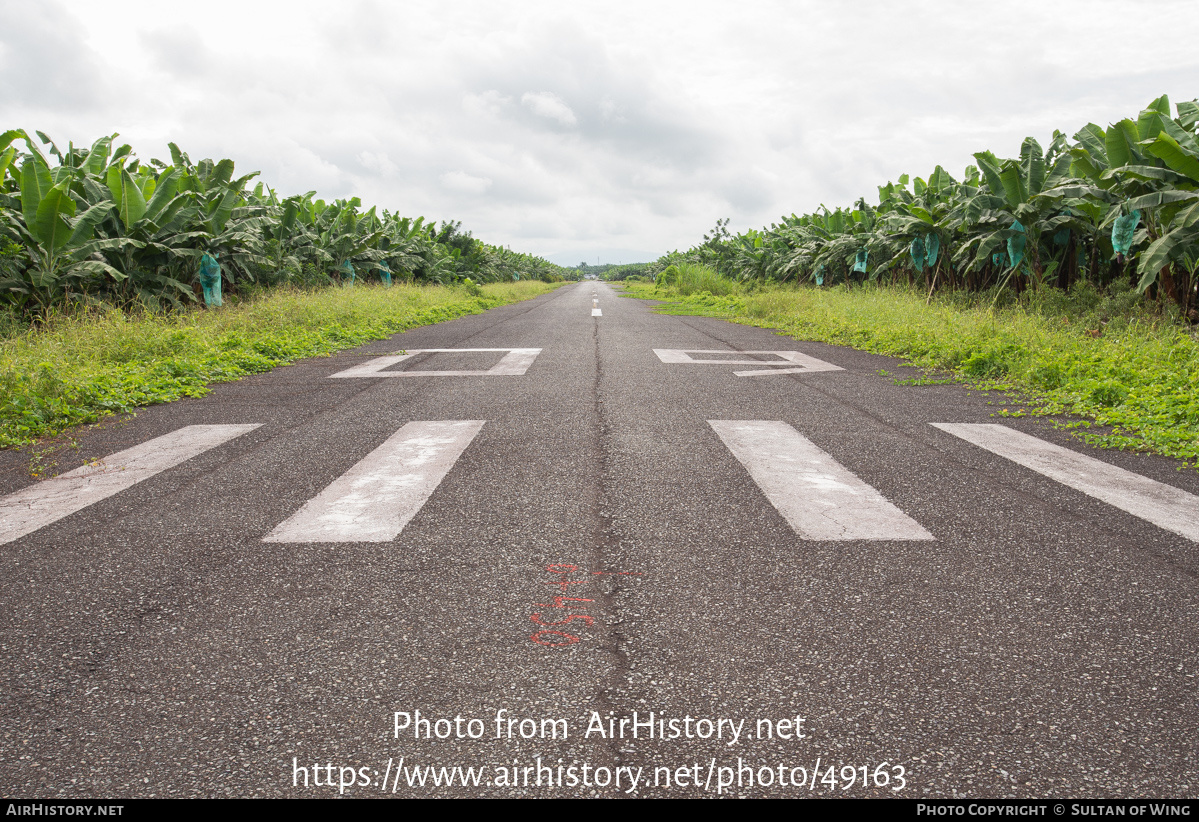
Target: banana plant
x=1008, y=218
x=219, y=220
x=151, y=212
x=63, y=257
x=924, y=224
x=404, y=243
x=1171, y=258
x=349, y=237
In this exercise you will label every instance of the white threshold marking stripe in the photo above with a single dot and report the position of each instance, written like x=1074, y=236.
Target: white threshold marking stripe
x=595, y=312
x=819, y=497
x=29, y=509
x=1163, y=505
x=790, y=359
x=513, y=364
x=374, y=500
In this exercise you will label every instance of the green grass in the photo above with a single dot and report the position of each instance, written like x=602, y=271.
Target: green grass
x=689, y=279
x=1127, y=374
x=77, y=369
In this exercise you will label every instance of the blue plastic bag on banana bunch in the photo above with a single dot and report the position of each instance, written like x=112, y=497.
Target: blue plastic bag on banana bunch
x=859, y=261
x=347, y=273
x=1015, y=244
x=917, y=252
x=1123, y=230
x=385, y=273
x=932, y=245
x=210, y=280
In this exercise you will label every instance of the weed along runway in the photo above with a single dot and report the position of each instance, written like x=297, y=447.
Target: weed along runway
x=583, y=549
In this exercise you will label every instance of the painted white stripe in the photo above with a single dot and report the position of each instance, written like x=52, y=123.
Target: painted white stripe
x=374, y=500
x=595, y=312
x=1163, y=505
x=780, y=371
x=790, y=359
x=31, y=508
x=371, y=368
x=818, y=496
x=513, y=364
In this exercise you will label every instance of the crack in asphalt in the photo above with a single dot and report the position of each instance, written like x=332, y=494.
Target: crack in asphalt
x=603, y=544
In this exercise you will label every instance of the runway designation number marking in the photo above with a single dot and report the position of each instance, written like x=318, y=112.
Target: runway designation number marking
x=795, y=362
x=513, y=364
x=1163, y=505
x=31, y=508
x=374, y=500
x=819, y=497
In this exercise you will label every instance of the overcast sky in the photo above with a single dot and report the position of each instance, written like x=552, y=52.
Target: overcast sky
x=611, y=131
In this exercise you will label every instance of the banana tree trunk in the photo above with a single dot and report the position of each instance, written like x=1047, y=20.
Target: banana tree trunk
x=1065, y=270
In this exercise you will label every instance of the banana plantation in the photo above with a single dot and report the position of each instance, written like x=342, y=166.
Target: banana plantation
x=97, y=224
x=1107, y=204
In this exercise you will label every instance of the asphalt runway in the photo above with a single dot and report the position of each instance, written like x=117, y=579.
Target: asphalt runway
x=604, y=552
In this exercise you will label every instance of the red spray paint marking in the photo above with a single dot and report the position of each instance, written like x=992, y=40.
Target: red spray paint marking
x=563, y=570
x=586, y=619
x=559, y=600
x=570, y=639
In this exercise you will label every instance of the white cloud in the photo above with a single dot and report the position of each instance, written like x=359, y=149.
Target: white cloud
x=549, y=105
x=490, y=103
x=381, y=164
x=466, y=183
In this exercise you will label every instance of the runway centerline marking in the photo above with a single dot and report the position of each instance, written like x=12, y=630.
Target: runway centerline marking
x=513, y=364
x=790, y=359
x=820, y=498
x=374, y=500
x=1163, y=505
x=29, y=509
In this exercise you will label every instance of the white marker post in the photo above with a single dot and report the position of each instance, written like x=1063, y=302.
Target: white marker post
x=1163, y=505
x=819, y=497
x=29, y=509
x=374, y=500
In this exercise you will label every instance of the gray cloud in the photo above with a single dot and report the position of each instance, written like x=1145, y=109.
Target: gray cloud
x=45, y=60
x=179, y=50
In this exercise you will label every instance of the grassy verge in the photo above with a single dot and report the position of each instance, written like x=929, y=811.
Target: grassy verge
x=76, y=369
x=1128, y=375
